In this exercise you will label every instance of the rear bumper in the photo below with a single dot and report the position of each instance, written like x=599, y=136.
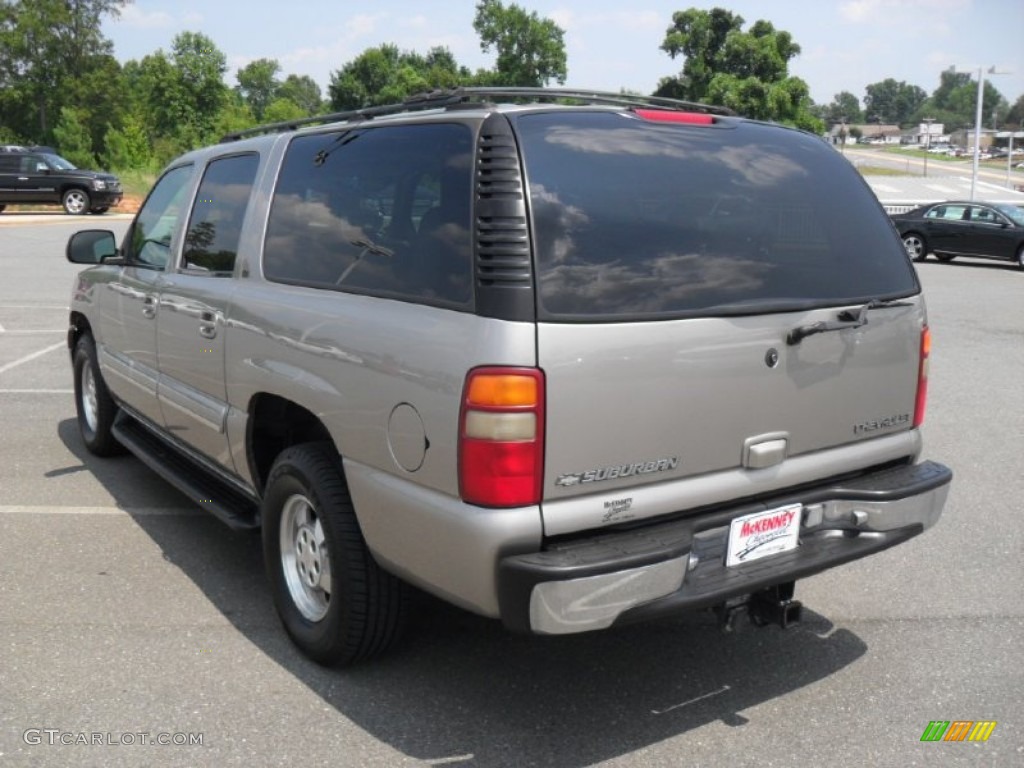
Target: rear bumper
x=679, y=565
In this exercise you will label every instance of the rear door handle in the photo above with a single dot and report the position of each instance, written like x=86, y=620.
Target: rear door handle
x=207, y=324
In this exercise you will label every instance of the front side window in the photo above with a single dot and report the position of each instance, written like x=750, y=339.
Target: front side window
x=383, y=210
x=149, y=240
x=215, y=227
x=635, y=219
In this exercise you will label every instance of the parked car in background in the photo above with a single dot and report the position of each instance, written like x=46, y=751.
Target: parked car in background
x=958, y=228
x=39, y=175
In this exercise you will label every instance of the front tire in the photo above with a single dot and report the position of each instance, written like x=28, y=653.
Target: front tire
x=76, y=201
x=916, y=245
x=95, y=407
x=337, y=605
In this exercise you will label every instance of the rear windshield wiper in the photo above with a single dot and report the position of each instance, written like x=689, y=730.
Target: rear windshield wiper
x=848, y=318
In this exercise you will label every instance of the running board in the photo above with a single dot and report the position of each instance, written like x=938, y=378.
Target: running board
x=233, y=508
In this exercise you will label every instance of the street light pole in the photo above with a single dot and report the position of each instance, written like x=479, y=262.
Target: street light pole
x=977, y=130
x=977, y=125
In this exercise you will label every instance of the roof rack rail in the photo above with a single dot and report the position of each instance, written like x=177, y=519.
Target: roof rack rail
x=441, y=98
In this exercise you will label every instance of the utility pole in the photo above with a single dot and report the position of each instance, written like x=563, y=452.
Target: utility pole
x=927, y=143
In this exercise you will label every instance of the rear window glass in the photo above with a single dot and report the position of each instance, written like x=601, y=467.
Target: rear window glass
x=636, y=219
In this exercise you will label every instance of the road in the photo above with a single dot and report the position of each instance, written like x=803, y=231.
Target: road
x=127, y=613
x=914, y=165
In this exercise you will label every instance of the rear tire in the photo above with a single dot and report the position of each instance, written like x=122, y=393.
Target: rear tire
x=95, y=407
x=1020, y=256
x=337, y=605
x=916, y=245
x=76, y=201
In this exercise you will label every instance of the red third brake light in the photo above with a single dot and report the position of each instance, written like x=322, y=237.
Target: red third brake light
x=922, y=376
x=668, y=116
x=501, y=437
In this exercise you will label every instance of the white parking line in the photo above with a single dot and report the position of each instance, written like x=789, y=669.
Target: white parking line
x=115, y=511
x=33, y=356
x=37, y=391
x=29, y=333
x=33, y=306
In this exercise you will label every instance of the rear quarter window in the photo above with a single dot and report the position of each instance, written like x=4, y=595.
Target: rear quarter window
x=635, y=219
x=382, y=211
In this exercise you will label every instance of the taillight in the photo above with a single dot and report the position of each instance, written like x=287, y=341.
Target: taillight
x=670, y=116
x=501, y=437
x=922, y=376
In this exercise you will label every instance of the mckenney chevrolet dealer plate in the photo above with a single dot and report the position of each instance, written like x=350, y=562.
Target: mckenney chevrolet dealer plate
x=763, y=533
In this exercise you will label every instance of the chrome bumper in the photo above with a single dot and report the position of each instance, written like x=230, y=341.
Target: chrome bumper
x=680, y=565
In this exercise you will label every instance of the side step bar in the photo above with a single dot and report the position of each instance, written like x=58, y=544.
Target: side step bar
x=233, y=507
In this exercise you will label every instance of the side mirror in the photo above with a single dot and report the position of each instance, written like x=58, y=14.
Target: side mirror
x=91, y=246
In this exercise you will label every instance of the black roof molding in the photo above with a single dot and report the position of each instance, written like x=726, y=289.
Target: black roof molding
x=454, y=97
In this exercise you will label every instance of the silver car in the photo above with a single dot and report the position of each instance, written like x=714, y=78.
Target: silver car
x=568, y=360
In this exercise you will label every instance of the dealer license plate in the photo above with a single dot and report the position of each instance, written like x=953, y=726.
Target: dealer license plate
x=761, y=534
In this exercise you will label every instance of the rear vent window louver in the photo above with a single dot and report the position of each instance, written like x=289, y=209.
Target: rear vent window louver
x=504, y=274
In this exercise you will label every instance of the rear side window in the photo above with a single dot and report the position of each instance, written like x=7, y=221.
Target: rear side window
x=215, y=227
x=635, y=219
x=383, y=211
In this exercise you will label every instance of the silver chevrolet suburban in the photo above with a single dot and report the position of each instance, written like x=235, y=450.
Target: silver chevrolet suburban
x=563, y=358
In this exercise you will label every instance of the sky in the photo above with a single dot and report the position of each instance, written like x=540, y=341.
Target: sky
x=611, y=44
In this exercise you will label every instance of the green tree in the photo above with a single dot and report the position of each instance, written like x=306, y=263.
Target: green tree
x=303, y=91
x=179, y=97
x=844, y=105
x=258, y=84
x=281, y=110
x=200, y=68
x=45, y=45
x=128, y=147
x=72, y=136
x=1015, y=115
x=386, y=75
x=745, y=71
x=893, y=102
x=531, y=50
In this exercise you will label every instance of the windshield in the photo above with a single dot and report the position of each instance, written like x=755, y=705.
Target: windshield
x=636, y=219
x=1012, y=212
x=58, y=162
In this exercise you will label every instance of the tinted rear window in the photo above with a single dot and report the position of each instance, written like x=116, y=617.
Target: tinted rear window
x=636, y=219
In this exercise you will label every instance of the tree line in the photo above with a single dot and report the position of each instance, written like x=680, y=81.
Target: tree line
x=61, y=85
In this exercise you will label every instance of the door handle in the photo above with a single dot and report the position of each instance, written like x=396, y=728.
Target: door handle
x=207, y=325
x=149, y=306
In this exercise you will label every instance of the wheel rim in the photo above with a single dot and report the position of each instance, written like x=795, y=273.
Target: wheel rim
x=90, y=403
x=304, y=559
x=914, y=246
x=75, y=202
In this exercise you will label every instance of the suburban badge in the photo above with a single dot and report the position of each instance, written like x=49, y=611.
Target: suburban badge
x=616, y=471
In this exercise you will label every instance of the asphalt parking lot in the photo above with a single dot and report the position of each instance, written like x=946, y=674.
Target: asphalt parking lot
x=127, y=616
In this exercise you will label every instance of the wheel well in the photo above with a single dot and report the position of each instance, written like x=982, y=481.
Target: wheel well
x=78, y=326
x=276, y=424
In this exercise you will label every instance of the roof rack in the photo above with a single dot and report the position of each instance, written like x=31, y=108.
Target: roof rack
x=442, y=98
